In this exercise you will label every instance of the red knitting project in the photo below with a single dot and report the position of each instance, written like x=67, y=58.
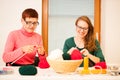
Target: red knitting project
x=76, y=55
x=43, y=62
x=101, y=64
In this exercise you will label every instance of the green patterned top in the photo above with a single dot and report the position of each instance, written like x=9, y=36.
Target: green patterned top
x=69, y=43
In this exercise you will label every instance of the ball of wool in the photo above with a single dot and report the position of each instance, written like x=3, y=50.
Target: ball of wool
x=66, y=56
x=55, y=54
x=28, y=70
x=76, y=55
x=101, y=64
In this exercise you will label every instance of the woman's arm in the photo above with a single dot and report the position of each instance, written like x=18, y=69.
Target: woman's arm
x=95, y=59
x=10, y=54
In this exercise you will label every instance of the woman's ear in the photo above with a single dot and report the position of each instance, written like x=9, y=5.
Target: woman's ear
x=22, y=21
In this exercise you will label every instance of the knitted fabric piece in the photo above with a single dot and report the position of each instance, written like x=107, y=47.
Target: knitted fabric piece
x=43, y=62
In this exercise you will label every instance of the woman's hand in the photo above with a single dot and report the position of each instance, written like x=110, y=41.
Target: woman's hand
x=85, y=52
x=28, y=48
x=40, y=50
x=95, y=59
x=31, y=48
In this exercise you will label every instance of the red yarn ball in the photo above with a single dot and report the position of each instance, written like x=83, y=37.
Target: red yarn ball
x=101, y=64
x=76, y=55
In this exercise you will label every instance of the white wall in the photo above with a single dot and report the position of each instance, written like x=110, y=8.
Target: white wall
x=10, y=17
x=110, y=24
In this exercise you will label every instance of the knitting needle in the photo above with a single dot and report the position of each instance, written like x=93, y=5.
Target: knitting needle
x=18, y=58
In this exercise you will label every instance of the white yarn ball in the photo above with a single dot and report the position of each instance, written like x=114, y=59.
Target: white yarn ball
x=55, y=54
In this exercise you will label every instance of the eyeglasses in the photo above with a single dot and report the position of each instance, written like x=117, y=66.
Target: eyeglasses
x=81, y=28
x=31, y=23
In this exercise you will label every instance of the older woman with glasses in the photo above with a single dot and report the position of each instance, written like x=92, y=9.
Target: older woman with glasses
x=85, y=42
x=23, y=44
